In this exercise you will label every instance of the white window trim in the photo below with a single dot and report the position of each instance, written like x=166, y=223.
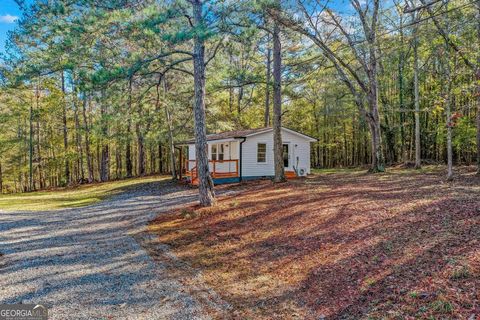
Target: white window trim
x=218, y=146
x=266, y=153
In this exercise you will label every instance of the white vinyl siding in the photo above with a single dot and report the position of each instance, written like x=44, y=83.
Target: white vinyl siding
x=299, y=152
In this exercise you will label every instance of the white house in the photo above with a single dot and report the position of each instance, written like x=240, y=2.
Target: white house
x=248, y=154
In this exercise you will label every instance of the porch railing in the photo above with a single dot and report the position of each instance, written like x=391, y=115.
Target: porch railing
x=218, y=169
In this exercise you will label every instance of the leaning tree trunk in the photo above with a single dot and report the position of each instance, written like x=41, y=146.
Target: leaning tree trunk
x=277, y=105
x=205, y=182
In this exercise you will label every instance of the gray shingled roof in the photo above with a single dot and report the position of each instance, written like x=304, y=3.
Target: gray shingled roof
x=230, y=135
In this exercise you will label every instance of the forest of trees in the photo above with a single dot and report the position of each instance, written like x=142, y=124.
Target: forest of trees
x=94, y=90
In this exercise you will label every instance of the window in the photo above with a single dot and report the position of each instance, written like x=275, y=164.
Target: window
x=214, y=152
x=261, y=152
x=220, y=152
x=286, y=156
x=217, y=152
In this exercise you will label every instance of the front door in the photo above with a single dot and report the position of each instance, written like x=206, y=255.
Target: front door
x=286, y=156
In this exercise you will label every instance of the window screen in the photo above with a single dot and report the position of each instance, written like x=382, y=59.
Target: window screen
x=262, y=152
x=214, y=152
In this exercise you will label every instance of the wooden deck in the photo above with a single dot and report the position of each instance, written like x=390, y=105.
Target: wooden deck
x=290, y=174
x=217, y=170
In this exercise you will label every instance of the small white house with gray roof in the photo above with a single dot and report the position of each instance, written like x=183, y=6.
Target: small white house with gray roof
x=248, y=154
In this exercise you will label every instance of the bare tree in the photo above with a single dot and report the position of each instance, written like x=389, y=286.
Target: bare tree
x=416, y=93
x=474, y=66
x=320, y=24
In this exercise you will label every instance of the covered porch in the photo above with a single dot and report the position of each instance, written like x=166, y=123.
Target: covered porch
x=222, y=171
x=224, y=162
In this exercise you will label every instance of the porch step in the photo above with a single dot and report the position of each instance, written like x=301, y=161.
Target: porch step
x=290, y=174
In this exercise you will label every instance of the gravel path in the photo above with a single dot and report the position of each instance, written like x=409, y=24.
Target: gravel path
x=89, y=263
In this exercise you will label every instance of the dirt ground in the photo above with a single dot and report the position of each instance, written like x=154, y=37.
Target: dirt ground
x=342, y=245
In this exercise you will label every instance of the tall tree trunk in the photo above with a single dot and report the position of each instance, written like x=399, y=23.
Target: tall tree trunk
x=277, y=104
x=1, y=178
x=373, y=119
x=39, y=148
x=41, y=180
x=402, y=109
x=78, y=135
x=141, y=150
x=448, y=102
x=30, y=145
x=170, y=131
x=267, y=88
x=65, y=131
x=87, y=140
x=477, y=77
x=105, y=157
x=449, y=138
x=79, y=145
x=160, y=159
x=378, y=160
x=239, y=103
x=105, y=164
x=128, y=151
x=418, y=151
x=205, y=182
x=118, y=163
x=401, y=94
x=142, y=157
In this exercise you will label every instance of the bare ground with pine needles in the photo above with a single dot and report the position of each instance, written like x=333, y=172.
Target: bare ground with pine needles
x=348, y=245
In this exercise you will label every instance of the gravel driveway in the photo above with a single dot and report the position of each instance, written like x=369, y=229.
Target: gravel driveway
x=89, y=263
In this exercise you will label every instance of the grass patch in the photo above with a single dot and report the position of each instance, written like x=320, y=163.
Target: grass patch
x=70, y=197
x=460, y=273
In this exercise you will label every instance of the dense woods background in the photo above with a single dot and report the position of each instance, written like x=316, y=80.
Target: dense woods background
x=99, y=90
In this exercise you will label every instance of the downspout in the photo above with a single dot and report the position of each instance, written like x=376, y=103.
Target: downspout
x=241, y=157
